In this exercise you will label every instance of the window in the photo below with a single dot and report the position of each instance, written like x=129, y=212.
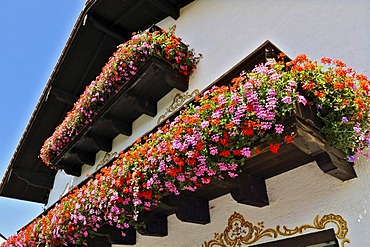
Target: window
x=318, y=239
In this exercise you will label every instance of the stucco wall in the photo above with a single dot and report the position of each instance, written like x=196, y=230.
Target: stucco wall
x=296, y=197
x=227, y=31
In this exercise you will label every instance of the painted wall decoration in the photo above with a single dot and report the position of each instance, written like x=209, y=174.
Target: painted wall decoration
x=240, y=232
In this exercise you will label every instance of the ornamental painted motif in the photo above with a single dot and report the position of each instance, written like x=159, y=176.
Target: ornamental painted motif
x=240, y=232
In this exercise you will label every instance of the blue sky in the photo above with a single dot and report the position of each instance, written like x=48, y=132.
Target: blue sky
x=32, y=36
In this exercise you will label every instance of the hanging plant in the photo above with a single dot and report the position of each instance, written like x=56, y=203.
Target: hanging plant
x=209, y=140
x=118, y=71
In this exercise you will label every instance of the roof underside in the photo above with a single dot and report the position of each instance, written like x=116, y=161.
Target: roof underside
x=101, y=26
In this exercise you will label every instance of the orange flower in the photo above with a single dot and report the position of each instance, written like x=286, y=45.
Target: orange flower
x=339, y=85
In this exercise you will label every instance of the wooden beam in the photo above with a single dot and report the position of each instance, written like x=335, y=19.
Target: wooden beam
x=79, y=156
x=251, y=191
x=176, y=80
x=108, y=28
x=63, y=96
x=329, y=159
x=335, y=166
x=121, y=127
x=83, y=157
x=35, y=179
x=190, y=209
x=71, y=169
x=100, y=142
x=129, y=11
x=145, y=106
x=164, y=7
x=155, y=226
x=114, y=235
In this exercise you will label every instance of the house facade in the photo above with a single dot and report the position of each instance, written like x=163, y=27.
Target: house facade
x=307, y=199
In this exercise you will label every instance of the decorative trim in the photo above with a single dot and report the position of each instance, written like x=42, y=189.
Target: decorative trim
x=240, y=232
x=107, y=158
x=67, y=188
x=177, y=102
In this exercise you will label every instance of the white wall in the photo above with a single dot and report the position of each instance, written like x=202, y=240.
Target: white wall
x=296, y=197
x=2, y=240
x=227, y=31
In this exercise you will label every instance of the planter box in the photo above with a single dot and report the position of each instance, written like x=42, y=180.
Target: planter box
x=139, y=96
x=249, y=187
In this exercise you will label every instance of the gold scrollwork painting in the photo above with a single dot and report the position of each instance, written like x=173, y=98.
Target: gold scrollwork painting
x=107, y=158
x=177, y=102
x=240, y=232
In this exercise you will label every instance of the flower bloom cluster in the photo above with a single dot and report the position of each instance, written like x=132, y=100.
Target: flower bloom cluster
x=342, y=99
x=120, y=68
x=208, y=140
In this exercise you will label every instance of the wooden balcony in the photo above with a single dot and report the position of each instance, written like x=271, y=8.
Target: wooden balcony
x=139, y=96
x=249, y=187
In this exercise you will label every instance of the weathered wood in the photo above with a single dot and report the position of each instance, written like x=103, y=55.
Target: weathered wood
x=171, y=11
x=114, y=235
x=71, y=169
x=63, y=96
x=155, y=226
x=80, y=156
x=121, y=127
x=100, y=142
x=251, y=191
x=190, y=209
x=335, y=166
x=329, y=159
x=145, y=106
x=36, y=179
x=108, y=28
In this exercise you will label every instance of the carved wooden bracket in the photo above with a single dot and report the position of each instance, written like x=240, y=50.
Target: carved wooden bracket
x=251, y=191
x=108, y=235
x=189, y=209
x=155, y=226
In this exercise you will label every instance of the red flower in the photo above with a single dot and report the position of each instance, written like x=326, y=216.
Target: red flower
x=247, y=131
x=191, y=162
x=225, y=153
x=147, y=194
x=225, y=141
x=199, y=146
x=288, y=139
x=250, y=108
x=178, y=161
x=274, y=148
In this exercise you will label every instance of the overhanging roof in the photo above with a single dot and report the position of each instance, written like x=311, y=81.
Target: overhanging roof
x=101, y=26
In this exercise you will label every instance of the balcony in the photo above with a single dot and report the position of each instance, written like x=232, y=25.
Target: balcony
x=155, y=78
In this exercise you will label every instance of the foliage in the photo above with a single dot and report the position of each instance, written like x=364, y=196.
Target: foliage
x=342, y=100
x=209, y=140
x=118, y=71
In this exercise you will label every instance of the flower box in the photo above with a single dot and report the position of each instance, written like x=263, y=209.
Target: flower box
x=135, y=71
x=229, y=141
x=249, y=187
x=155, y=78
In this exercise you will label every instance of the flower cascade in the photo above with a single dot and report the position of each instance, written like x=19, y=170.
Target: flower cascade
x=208, y=140
x=120, y=68
x=342, y=99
